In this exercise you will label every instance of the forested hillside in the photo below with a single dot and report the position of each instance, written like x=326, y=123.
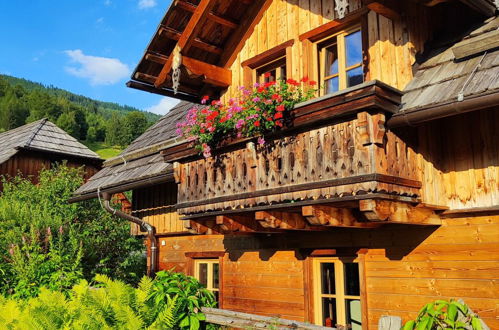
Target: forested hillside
x=23, y=101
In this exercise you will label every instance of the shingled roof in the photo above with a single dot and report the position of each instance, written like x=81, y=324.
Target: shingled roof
x=141, y=162
x=42, y=136
x=457, y=71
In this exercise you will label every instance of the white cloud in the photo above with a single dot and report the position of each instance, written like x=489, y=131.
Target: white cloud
x=146, y=4
x=107, y=2
x=100, y=20
x=99, y=70
x=163, y=106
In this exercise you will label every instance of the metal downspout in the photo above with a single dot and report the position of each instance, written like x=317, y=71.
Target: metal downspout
x=144, y=225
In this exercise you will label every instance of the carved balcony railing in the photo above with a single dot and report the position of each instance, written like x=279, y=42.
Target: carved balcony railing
x=337, y=149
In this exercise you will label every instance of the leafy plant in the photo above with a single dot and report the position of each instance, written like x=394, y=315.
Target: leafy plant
x=443, y=314
x=260, y=110
x=45, y=241
x=191, y=296
x=113, y=305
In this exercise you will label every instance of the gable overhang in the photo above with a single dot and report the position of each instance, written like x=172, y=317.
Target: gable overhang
x=201, y=39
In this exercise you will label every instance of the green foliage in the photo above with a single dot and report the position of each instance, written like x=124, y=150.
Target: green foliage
x=191, y=296
x=45, y=241
x=113, y=305
x=441, y=314
x=23, y=101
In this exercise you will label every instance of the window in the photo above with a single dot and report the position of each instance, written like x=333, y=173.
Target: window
x=208, y=274
x=272, y=71
x=341, y=61
x=337, y=293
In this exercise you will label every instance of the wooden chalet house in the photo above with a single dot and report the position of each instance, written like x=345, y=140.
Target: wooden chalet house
x=28, y=149
x=382, y=196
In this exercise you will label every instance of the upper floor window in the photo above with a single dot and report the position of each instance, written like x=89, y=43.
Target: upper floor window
x=337, y=293
x=208, y=274
x=341, y=61
x=273, y=71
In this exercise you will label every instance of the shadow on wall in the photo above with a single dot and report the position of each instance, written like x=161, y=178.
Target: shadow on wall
x=397, y=241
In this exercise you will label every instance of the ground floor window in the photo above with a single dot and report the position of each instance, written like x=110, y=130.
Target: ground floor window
x=337, y=293
x=207, y=271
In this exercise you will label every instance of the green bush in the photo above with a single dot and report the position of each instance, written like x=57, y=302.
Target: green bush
x=154, y=304
x=443, y=315
x=47, y=242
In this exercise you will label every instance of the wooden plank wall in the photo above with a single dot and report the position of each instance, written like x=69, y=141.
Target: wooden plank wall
x=405, y=268
x=30, y=164
x=172, y=250
x=155, y=205
x=459, y=160
x=392, y=45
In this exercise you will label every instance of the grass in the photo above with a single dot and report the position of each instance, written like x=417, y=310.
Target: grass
x=103, y=150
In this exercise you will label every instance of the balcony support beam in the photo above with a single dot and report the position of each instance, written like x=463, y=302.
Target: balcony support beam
x=325, y=215
x=385, y=211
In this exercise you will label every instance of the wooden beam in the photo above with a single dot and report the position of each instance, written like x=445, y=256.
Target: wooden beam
x=187, y=6
x=398, y=212
x=239, y=224
x=185, y=40
x=236, y=41
x=482, y=6
x=173, y=34
x=476, y=45
x=151, y=79
x=387, y=8
x=212, y=74
x=325, y=215
x=283, y=220
x=162, y=91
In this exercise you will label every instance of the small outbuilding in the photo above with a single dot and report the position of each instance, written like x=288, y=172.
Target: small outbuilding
x=28, y=149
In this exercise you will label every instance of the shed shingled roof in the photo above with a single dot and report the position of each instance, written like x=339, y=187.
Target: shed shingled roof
x=141, y=160
x=441, y=77
x=43, y=136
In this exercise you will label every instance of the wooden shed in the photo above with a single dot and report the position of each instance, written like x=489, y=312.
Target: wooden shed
x=381, y=196
x=28, y=149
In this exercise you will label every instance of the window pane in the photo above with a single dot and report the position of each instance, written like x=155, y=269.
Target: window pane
x=327, y=275
x=352, y=284
x=329, y=312
x=215, y=276
x=216, y=295
x=332, y=85
x=353, y=46
x=355, y=77
x=203, y=274
x=331, y=61
x=283, y=72
x=354, y=314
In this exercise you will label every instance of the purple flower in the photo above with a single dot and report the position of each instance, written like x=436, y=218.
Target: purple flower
x=256, y=85
x=256, y=99
x=178, y=131
x=261, y=141
x=240, y=123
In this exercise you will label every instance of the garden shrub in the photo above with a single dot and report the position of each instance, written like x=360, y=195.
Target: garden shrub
x=443, y=315
x=154, y=304
x=47, y=242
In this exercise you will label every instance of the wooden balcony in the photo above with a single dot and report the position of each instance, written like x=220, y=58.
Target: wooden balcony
x=337, y=151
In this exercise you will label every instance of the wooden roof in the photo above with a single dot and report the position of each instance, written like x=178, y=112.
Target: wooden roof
x=208, y=34
x=141, y=161
x=42, y=136
x=444, y=75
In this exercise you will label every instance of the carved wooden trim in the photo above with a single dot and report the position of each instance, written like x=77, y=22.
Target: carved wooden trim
x=398, y=212
x=324, y=215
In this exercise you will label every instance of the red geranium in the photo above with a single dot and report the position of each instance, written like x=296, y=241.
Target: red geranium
x=280, y=107
x=278, y=115
x=304, y=79
x=256, y=123
x=267, y=74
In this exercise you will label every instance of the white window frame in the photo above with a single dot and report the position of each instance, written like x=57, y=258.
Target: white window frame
x=210, y=272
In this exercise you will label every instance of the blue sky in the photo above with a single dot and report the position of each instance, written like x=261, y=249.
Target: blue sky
x=88, y=47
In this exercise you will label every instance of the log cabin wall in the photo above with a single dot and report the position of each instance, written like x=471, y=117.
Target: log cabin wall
x=29, y=164
x=459, y=160
x=155, y=205
x=390, y=45
x=404, y=268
